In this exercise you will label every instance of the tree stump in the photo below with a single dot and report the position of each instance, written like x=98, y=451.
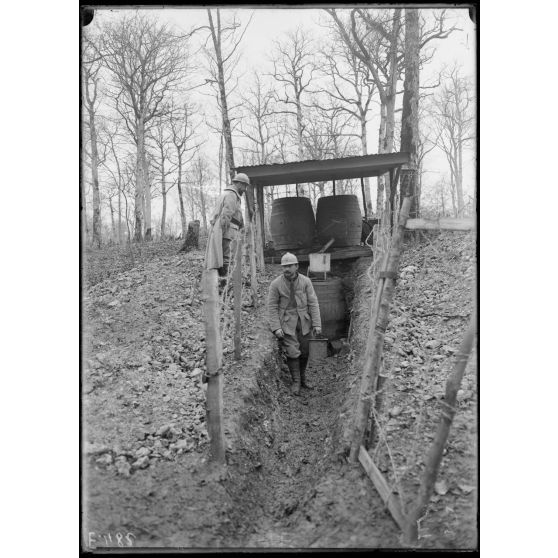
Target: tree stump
x=192, y=239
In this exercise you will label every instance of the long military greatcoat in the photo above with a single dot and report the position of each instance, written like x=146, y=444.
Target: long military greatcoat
x=224, y=223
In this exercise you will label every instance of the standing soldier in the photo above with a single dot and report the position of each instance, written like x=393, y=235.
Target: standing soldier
x=225, y=222
x=293, y=315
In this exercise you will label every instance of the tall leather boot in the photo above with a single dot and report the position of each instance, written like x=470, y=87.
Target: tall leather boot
x=294, y=367
x=303, y=365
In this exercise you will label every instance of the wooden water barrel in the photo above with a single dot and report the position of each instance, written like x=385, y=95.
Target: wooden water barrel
x=339, y=217
x=292, y=223
x=331, y=299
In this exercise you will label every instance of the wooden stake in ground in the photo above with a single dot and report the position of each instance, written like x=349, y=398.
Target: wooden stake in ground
x=237, y=291
x=434, y=457
x=375, y=343
x=251, y=238
x=214, y=356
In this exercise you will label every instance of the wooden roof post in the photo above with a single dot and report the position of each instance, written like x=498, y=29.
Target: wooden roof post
x=334, y=188
x=363, y=197
x=260, y=223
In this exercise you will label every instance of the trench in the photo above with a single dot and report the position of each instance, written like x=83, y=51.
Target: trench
x=286, y=446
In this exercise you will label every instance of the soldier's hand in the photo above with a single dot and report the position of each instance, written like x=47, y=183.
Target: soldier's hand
x=317, y=331
x=279, y=333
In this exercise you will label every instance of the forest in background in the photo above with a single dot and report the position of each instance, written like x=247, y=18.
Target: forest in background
x=159, y=101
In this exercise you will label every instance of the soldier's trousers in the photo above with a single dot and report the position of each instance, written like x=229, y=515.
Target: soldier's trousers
x=297, y=344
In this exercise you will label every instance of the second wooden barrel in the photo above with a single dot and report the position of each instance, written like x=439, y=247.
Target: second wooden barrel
x=331, y=299
x=292, y=223
x=339, y=217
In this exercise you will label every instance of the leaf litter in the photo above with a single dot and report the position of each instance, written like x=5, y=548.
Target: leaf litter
x=288, y=483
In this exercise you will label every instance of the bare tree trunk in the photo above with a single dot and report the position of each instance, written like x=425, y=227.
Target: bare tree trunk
x=459, y=182
x=453, y=197
x=119, y=214
x=112, y=222
x=227, y=135
x=181, y=199
x=139, y=194
x=221, y=163
x=164, y=210
x=147, y=198
x=203, y=208
x=381, y=146
x=95, y=176
x=410, y=118
x=82, y=212
x=368, y=194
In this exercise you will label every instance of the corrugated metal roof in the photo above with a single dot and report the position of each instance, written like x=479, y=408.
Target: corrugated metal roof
x=329, y=169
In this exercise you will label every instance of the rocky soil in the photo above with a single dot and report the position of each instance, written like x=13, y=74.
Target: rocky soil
x=146, y=481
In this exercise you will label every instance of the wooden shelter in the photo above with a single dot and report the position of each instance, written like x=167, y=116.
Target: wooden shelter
x=301, y=172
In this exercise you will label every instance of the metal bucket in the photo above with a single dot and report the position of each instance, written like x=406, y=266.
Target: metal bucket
x=317, y=350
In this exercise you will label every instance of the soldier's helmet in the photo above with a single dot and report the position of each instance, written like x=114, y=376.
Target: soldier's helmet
x=289, y=259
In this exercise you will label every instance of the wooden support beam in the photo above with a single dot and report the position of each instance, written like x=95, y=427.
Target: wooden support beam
x=259, y=225
x=447, y=223
x=260, y=208
x=213, y=362
x=390, y=499
x=334, y=188
x=363, y=196
x=237, y=293
x=396, y=182
x=345, y=253
x=375, y=342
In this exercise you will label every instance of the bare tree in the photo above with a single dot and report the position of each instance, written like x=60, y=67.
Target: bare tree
x=147, y=61
x=454, y=121
x=259, y=126
x=294, y=66
x=182, y=131
x=410, y=118
x=114, y=184
x=200, y=177
x=161, y=136
x=374, y=38
x=91, y=69
x=351, y=90
x=222, y=59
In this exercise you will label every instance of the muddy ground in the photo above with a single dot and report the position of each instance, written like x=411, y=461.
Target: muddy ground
x=145, y=477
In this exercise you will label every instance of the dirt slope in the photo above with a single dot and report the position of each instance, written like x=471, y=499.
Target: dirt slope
x=288, y=483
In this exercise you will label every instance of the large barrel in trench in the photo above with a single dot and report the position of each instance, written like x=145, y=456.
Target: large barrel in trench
x=331, y=299
x=292, y=223
x=339, y=217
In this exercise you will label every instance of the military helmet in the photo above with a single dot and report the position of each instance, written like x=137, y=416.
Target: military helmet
x=288, y=259
x=241, y=177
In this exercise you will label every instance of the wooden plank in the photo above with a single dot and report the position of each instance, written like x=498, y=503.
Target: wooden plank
x=447, y=223
x=338, y=254
x=390, y=499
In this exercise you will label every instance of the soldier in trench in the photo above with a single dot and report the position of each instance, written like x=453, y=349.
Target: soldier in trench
x=294, y=315
x=225, y=224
